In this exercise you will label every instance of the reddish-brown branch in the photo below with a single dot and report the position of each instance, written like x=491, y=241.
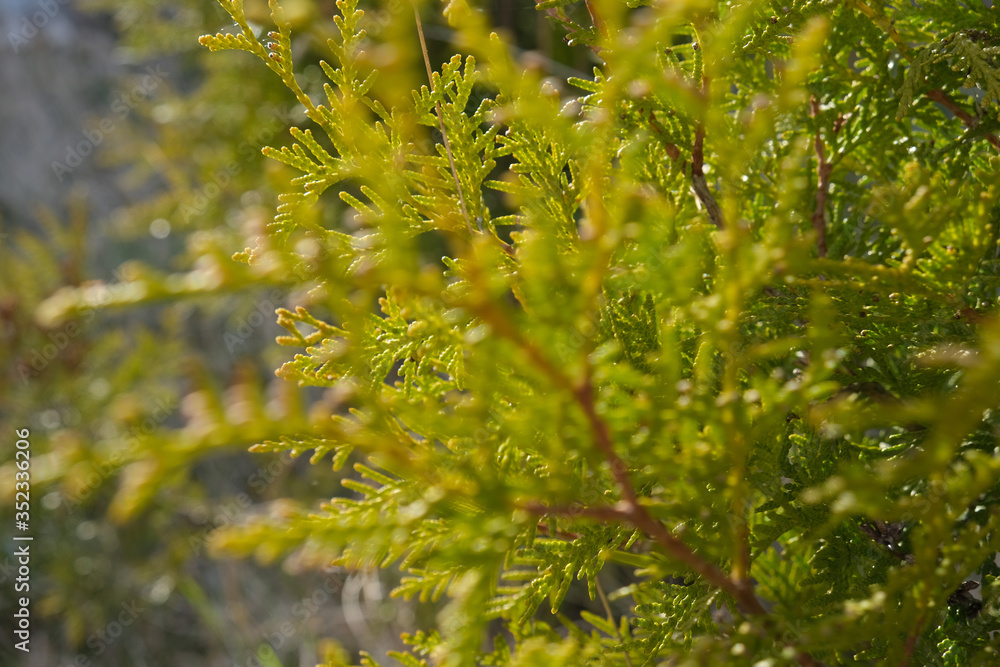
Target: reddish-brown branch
x=631, y=511
x=823, y=169
x=595, y=17
x=911, y=641
x=496, y=318
x=944, y=100
x=673, y=152
x=547, y=529
x=639, y=516
x=698, y=182
x=602, y=436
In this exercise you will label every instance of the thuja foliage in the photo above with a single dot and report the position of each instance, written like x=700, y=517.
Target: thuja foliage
x=718, y=315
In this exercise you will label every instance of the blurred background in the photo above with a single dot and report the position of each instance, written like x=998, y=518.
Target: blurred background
x=126, y=147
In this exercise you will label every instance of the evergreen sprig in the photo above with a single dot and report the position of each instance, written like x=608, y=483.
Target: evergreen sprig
x=725, y=336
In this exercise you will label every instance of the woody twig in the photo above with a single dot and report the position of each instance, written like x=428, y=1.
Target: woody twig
x=823, y=169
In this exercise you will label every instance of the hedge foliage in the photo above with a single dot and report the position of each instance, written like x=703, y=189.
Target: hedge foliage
x=716, y=319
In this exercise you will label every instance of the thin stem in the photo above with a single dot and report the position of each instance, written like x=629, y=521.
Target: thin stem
x=911, y=641
x=562, y=534
x=639, y=516
x=635, y=513
x=823, y=170
x=629, y=510
x=602, y=436
x=440, y=117
x=496, y=318
x=595, y=17
x=942, y=98
x=673, y=152
x=698, y=182
x=611, y=618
